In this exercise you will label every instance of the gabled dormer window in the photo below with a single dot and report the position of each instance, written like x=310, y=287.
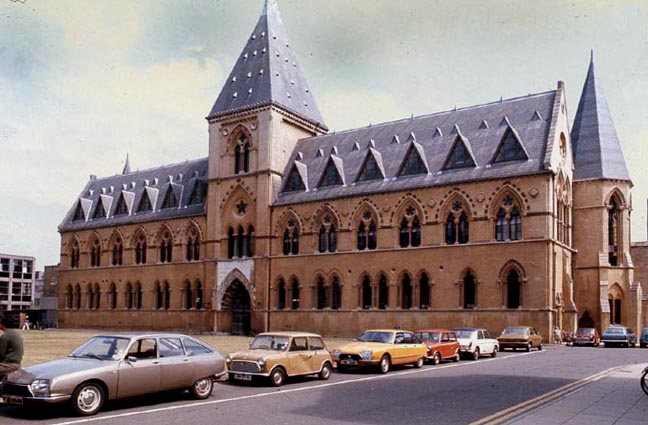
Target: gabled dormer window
x=121, y=208
x=413, y=163
x=145, y=203
x=331, y=177
x=295, y=182
x=510, y=149
x=78, y=213
x=459, y=156
x=170, y=200
x=198, y=194
x=370, y=169
x=99, y=211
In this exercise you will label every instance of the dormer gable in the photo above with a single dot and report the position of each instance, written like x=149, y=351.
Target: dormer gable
x=297, y=178
x=170, y=199
x=333, y=173
x=460, y=155
x=510, y=147
x=372, y=168
x=414, y=161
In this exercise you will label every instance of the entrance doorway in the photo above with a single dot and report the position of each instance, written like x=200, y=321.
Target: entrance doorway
x=237, y=301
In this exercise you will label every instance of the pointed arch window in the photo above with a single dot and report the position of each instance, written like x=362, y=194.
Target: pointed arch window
x=231, y=243
x=451, y=229
x=366, y=297
x=322, y=301
x=613, y=232
x=145, y=203
x=75, y=255
x=117, y=252
x=510, y=149
x=140, y=249
x=128, y=297
x=159, y=296
x=327, y=240
x=331, y=176
x=69, y=298
x=281, y=295
x=291, y=238
x=410, y=229
x=406, y=292
x=294, y=301
x=95, y=253
x=112, y=293
x=170, y=200
x=96, y=295
x=515, y=225
x=508, y=221
x=295, y=182
x=424, y=292
x=121, y=208
x=469, y=291
x=336, y=298
x=383, y=293
x=166, y=292
x=199, y=296
x=137, y=296
x=77, y=297
x=249, y=242
x=90, y=297
x=99, y=211
x=501, y=230
x=513, y=289
x=413, y=164
x=188, y=296
x=193, y=246
x=166, y=248
x=240, y=242
x=367, y=232
x=242, y=155
x=79, y=215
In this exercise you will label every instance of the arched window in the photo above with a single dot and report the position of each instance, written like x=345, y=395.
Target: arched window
x=113, y=296
x=137, y=296
x=424, y=292
x=410, y=229
x=166, y=296
x=188, y=296
x=336, y=299
x=451, y=233
x=469, y=291
x=199, y=296
x=77, y=297
x=367, y=300
x=321, y=294
x=362, y=237
x=508, y=221
x=463, y=228
x=383, y=292
x=90, y=299
x=231, y=243
x=332, y=239
x=613, y=232
x=249, y=242
x=294, y=302
x=287, y=242
x=193, y=245
x=140, y=249
x=295, y=241
x=457, y=227
x=128, y=296
x=69, y=299
x=281, y=295
x=159, y=296
x=322, y=246
x=75, y=254
x=240, y=242
x=373, y=236
x=242, y=155
x=95, y=253
x=404, y=236
x=166, y=248
x=327, y=238
x=513, y=293
x=97, y=296
x=416, y=232
x=406, y=292
x=117, y=252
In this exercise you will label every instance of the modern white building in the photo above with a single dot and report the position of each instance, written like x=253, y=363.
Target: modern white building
x=16, y=282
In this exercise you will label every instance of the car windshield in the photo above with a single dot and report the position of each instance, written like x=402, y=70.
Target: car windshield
x=463, y=333
x=373, y=336
x=428, y=336
x=270, y=342
x=585, y=331
x=102, y=348
x=522, y=331
x=615, y=331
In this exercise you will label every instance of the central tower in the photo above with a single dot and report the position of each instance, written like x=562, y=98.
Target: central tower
x=263, y=109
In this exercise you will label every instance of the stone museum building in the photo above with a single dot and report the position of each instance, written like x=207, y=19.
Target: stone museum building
x=492, y=215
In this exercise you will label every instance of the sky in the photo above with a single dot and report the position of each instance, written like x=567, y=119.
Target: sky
x=83, y=83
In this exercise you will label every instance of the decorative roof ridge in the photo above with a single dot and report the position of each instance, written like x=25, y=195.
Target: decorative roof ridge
x=159, y=167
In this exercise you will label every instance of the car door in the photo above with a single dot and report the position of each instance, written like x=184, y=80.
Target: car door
x=177, y=367
x=318, y=353
x=140, y=371
x=486, y=342
x=445, y=346
x=299, y=356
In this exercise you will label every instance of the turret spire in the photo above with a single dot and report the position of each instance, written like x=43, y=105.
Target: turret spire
x=127, y=167
x=267, y=73
x=597, y=150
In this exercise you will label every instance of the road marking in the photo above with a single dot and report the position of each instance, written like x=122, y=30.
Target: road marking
x=526, y=406
x=294, y=390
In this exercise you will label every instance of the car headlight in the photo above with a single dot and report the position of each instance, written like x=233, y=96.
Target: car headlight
x=336, y=354
x=228, y=359
x=40, y=388
x=366, y=355
x=261, y=362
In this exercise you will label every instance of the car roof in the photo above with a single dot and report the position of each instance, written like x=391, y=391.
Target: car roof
x=434, y=330
x=291, y=334
x=142, y=334
x=386, y=330
x=469, y=329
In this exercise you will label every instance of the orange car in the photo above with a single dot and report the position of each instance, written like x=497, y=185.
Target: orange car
x=441, y=344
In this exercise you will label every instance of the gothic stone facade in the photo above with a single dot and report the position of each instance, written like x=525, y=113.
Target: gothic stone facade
x=470, y=217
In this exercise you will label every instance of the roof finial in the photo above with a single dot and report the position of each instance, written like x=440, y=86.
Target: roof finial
x=592, y=55
x=127, y=168
x=269, y=6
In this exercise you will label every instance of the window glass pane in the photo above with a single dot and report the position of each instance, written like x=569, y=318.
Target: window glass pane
x=170, y=347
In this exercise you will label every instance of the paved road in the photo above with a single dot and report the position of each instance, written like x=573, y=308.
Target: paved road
x=459, y=393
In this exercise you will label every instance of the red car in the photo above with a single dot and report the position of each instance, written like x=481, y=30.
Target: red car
x=586, y=336
x=442, y=344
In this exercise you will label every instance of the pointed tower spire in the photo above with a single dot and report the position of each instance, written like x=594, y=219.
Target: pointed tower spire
x=267, y=73
x=597, y=150
x=127, y=167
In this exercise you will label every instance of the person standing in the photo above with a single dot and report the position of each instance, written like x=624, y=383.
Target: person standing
x=11, y=347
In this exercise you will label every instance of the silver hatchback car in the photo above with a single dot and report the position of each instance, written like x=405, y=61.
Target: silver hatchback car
x=109, y=367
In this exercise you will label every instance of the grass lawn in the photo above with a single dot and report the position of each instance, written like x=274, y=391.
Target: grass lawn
x=43, y=346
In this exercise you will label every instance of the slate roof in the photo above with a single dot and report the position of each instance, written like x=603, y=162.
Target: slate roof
x=596, y=146
x=435, y=135
x=182, y=178
x=267, y=72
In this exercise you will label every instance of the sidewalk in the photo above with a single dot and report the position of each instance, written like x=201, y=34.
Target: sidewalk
x=616, y=399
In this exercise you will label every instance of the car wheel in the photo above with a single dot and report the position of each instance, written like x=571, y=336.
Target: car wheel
x=644, y=381
x=384, y=364
x=457, y=357
x=436, y=359
x=88, y=398
x=202, y=388
x=475, y=354
x=325, y=373
x=540, y=347
x=277, y=377
x=419, y=363
x=494, y=353
x=528, y=347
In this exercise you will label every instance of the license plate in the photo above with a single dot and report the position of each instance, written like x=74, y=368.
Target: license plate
x=348, y=362
x=12, y=400
x=242, y=377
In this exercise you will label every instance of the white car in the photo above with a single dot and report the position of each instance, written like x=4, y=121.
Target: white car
x=476, y=342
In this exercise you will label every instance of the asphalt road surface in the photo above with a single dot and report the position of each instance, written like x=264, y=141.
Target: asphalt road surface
x=457, y=393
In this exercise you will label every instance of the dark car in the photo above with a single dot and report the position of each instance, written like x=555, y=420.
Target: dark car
x=586, y=336
x=617, y=335
x=643, y=340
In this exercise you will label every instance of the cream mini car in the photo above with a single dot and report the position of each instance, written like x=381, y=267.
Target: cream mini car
x=278, y=355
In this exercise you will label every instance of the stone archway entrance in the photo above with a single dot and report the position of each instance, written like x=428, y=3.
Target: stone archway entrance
x=236, y=301
x=586, y=320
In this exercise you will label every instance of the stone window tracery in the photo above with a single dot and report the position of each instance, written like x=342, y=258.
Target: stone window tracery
x=117, y=252
x=291, y=238
x=242, y=155
x=327, y=240
x=95, y=253
x=166, y=248
x=508, y=220
x=410, y=229
x=367, y=232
